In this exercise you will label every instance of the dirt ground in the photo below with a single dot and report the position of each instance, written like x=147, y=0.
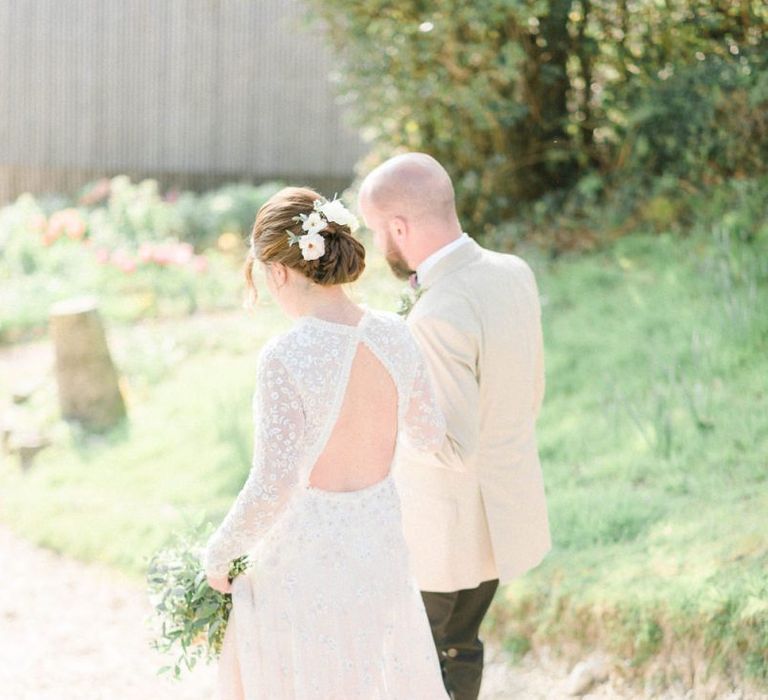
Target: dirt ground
x=75, y=631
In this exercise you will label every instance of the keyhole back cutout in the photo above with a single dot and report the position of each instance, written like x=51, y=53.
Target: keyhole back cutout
x=361, y=446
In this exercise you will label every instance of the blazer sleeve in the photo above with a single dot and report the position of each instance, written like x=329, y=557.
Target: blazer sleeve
x=451, y=356
x=539, y=379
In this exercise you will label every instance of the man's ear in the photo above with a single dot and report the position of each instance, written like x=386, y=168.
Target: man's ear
x=398, y=228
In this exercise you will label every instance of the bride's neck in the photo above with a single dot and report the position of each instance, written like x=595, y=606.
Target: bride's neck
x=330, y=304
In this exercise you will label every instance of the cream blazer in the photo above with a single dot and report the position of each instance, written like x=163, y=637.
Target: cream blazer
x=476, y=511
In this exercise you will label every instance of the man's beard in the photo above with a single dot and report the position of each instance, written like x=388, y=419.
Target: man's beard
x=396, y=261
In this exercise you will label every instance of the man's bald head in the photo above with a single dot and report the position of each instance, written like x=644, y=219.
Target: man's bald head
x=413, y=186
x=408, y=204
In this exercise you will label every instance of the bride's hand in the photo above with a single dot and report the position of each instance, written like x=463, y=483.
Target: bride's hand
x=220, y=584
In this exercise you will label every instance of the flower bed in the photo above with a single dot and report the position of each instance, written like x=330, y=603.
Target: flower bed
x=141, y=252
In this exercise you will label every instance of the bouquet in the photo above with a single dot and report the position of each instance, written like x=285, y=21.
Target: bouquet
x=191, y=617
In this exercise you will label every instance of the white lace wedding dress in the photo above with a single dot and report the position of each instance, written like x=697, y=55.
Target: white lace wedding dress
x=329, y=610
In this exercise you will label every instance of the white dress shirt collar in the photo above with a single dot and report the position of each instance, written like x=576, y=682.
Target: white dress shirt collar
x=439, y=254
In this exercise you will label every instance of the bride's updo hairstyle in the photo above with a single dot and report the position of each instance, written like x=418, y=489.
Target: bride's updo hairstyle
x=343, y=260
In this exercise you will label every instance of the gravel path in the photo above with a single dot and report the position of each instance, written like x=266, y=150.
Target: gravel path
x=75, y=631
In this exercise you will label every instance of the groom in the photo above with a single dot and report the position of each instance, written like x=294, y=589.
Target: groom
x=475, y=513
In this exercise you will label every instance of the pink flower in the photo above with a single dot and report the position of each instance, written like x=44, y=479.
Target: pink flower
x=99, y=192
x=37, y=223
x=128, y=266
x=53, y=231
x=199, y=264
x=172, y=195
x=182, y=253
x=122, y=260
x=66, y=222
x=102, y=256
x=162, y=254
x=146, y=252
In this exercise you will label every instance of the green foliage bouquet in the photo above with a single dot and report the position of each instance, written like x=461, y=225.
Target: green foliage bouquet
x=190, y=616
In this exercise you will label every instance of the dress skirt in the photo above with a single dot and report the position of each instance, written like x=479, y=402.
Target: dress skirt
x=329, y=609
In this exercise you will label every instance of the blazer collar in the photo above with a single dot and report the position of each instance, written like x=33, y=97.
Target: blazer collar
x=455, y=260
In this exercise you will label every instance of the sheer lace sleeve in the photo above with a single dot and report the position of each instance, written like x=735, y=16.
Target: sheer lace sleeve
x=424, y=421
x=279, y=424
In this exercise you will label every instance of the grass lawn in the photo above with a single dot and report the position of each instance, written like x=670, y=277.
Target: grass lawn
x=654, y=441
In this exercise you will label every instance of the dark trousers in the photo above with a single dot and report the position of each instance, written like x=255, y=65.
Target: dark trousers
x=455, y=620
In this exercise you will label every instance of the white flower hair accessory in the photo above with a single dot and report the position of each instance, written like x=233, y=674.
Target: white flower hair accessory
x=336, y=211
x=323, y=212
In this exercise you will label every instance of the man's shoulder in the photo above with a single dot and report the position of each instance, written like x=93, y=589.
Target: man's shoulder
x=461, y=297
x=453, y=304
x=506, y=261
x=485, y=261
x=483, y=271
x=488, y=274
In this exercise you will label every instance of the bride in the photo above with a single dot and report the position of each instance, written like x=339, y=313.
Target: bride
x=328, y=610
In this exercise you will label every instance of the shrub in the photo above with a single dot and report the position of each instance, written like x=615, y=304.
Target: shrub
x=228, y=209
x=522, y=98
x=725, y=129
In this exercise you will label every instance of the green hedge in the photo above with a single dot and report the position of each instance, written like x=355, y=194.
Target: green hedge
x=521, y=98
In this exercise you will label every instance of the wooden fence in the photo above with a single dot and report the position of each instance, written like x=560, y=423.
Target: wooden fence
x=193, y=92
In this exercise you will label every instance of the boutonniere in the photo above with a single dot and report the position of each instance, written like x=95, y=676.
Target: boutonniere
x=410, y=296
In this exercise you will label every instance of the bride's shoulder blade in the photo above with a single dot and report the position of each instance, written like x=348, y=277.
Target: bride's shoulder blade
x=386, y=319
